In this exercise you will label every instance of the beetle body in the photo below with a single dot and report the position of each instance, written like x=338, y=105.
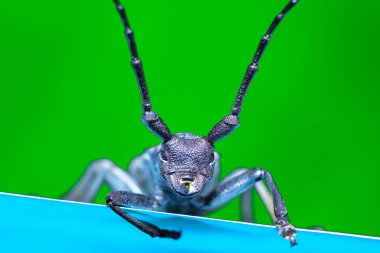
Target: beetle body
x=181, y=174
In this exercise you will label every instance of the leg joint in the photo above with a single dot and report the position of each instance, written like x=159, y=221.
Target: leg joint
x=259, y=173
x=101, y=166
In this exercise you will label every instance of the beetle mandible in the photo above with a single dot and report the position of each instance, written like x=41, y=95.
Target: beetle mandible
x=181, y=174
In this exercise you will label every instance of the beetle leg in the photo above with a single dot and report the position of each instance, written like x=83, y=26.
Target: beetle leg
x=116, y=200
x=97, y=173
x=243, y=180
x=247, y=206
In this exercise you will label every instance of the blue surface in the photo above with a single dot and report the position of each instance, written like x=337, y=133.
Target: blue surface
x=30, y=224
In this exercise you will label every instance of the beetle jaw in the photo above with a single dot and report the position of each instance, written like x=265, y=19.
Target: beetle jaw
x=185, y=184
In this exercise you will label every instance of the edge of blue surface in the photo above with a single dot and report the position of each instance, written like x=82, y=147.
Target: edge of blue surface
x=33, y=224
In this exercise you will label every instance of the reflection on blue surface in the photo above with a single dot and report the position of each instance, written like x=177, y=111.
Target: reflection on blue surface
x=41, y=225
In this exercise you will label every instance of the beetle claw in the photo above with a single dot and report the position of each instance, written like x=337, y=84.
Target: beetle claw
x=288, y=232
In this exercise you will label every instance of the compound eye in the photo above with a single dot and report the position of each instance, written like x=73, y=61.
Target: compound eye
x=164, y=156
x=212, y=158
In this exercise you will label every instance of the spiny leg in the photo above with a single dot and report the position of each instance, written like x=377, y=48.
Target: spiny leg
x=240, y=182
x=116, y=200
x=286, y=229
x=99, y=172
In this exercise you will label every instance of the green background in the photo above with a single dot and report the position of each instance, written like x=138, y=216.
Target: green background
x=311, y=116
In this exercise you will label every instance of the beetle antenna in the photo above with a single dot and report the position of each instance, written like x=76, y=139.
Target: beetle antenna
x=150, y=118
x=231, y=122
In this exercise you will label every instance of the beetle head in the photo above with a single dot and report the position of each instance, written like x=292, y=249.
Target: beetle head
x=187, y=163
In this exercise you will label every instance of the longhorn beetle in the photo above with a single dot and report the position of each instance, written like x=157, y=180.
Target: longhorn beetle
x=180, y=175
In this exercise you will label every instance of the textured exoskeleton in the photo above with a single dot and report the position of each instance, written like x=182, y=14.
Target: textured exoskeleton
x=181, y=174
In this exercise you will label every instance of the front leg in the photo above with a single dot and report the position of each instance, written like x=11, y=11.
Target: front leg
x=240, y=182
x=118, y=199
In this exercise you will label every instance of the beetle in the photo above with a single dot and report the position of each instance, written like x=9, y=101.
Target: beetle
x=181, y=174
